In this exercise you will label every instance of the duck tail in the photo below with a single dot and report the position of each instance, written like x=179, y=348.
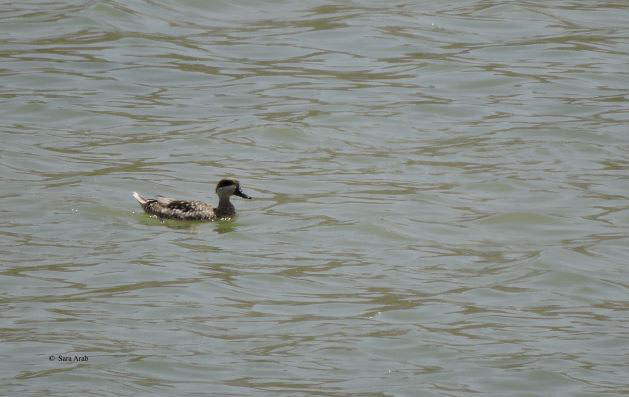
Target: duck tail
x=140, y=199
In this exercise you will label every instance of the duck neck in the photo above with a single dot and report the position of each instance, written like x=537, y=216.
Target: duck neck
x=225, y=207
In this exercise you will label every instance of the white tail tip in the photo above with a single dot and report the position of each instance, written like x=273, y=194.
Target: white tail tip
x=140, y=199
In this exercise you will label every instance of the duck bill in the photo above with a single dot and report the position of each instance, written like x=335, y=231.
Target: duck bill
x=239, y=193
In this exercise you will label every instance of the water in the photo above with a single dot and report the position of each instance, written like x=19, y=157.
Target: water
x=440, y=198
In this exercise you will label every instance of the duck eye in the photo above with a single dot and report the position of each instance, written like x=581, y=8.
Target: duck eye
x=225, y=183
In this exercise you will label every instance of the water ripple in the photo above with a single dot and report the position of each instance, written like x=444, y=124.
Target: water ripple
x=440, y=197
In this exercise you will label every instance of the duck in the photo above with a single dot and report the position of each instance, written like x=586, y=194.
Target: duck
x=167, y=208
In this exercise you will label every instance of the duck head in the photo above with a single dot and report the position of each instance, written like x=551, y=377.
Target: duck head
x=228, y=186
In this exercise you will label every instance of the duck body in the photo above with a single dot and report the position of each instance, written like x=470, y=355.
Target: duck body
x=186, y=210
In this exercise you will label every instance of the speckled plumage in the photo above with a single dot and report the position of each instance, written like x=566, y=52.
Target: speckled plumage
x=163, y=207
